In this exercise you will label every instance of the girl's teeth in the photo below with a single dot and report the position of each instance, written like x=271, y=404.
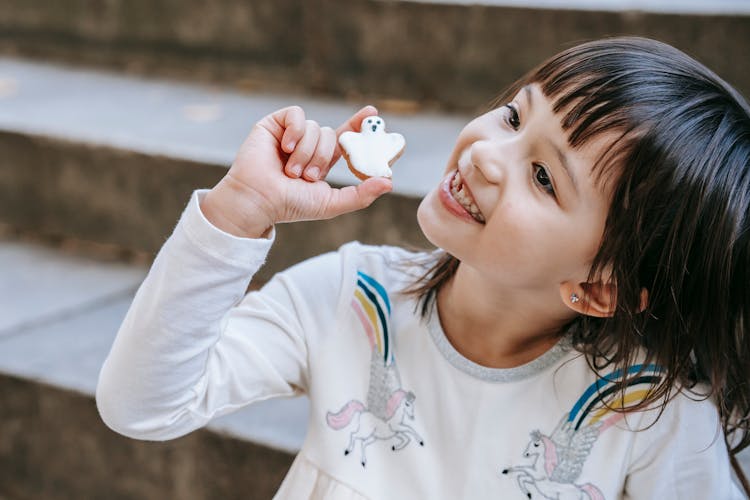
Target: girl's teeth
x=457, y=189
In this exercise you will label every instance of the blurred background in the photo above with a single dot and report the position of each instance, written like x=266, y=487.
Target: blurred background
x=113, y=111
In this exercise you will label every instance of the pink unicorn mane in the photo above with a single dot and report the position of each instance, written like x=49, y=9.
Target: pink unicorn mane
x=394, y=402
x=344, y=416
x=550, y=455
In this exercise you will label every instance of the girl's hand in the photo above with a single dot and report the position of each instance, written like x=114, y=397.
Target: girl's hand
x=278, y=176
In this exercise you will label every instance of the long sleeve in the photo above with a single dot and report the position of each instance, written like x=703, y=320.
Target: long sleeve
x=194, y=346
x=682, y=456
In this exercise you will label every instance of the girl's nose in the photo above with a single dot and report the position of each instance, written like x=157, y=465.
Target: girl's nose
x=489, y=160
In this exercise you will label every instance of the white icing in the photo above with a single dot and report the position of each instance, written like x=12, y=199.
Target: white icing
x=372, y=150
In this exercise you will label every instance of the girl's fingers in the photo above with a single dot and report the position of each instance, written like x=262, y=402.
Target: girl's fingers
x=351, y=198
x=321, y=161
x=304, y=150
x=290, y=123
x=288, y=126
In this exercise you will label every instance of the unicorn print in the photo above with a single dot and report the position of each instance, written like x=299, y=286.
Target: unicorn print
x=389, y=407
x=556, y=460
x=369, y=427
x=564, y=453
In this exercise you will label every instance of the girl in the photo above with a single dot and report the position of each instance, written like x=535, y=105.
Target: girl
x=580, y=333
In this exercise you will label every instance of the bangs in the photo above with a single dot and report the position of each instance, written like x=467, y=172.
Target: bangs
x=612, y=87
x=595, y=91
x=591, y=97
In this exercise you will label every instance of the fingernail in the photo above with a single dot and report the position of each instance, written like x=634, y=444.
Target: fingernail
x=313, y=173
x=296, y=170
x=290, y=146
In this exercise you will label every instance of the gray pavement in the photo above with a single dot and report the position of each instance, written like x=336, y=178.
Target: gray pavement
x=194, y=122
x=41, y=286
x=59, y=315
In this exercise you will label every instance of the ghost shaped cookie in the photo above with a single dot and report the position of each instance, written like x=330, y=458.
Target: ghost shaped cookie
x=371, y=152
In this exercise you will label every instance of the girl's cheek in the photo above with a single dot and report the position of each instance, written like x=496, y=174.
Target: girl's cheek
x=513, y=223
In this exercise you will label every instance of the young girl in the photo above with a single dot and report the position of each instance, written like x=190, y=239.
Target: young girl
x=580, y=333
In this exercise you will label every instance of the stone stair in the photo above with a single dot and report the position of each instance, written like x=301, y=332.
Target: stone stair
x=113, y=111
x=441, y=54
x=159, y=141
x=60, y=315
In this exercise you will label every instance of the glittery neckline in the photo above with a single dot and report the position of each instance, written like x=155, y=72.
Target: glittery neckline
x=475, y=370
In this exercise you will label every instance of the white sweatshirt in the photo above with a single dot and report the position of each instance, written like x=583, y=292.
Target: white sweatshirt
x=395, y=411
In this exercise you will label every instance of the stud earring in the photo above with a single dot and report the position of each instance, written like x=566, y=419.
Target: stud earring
x=574, y=298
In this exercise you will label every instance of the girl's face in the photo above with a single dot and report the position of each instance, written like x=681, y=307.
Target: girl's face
x=517, y=203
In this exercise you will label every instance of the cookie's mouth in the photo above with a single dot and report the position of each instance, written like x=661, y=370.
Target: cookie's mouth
x=374, y=128
x=463, y=196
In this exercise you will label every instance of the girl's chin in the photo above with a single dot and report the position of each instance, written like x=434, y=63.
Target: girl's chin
x=435, y=223
x=424, y=217
x=427, y=219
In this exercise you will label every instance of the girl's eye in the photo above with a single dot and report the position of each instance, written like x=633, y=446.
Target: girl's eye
x=513, y=120
x=542, y=179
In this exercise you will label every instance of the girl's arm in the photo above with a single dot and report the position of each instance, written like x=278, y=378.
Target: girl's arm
x=192, y=345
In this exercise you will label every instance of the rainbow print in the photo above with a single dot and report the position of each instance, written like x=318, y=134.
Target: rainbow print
x=558, y=458
x=388, y=409
x=591, y=408
x=372, y=307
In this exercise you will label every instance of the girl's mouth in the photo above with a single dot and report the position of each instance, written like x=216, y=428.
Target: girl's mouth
x=457, y=197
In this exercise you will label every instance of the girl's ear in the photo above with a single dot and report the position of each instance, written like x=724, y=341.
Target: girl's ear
x=594, y=299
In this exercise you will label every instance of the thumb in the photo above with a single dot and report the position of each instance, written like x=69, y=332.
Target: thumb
x=351, y=198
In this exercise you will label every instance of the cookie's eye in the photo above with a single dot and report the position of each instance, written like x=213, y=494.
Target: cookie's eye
x=369, y=121
x=379, y=122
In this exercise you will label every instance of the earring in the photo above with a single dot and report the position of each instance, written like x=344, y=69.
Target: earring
x=574, y=298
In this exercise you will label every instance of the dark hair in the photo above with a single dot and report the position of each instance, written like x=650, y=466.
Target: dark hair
x=678, y=221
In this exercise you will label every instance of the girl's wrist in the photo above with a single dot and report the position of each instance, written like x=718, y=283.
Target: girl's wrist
x=235, y=212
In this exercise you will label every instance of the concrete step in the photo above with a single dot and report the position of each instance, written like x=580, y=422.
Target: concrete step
x=113, y=159
x=54, y=303
x=60, y=314
x=446, y=54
